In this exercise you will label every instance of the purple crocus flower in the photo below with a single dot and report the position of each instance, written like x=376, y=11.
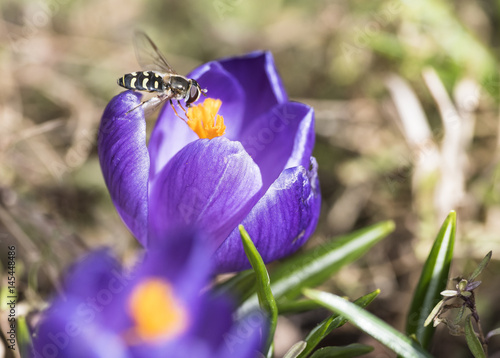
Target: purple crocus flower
x=154, y=311
x=260, y=173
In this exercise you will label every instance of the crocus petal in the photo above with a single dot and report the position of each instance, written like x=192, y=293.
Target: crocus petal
x=124, y=160
x=72, y=326
x=178, y=348
x=171, y=134
x=210, y=183
x=280, y=222
x=95, y=271
x=224, y=86
x=257, y=74
x=303, y=143
x=188, y=269
x=247, y=345
x=66, y=333
x=281, y=138
x=216, y=313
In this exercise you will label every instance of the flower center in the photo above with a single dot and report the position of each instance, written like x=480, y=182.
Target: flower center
x=155, y=310
x=204, y=120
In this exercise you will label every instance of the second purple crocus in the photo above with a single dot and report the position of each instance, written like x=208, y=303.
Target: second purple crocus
x=259, y=172
x=155, y=310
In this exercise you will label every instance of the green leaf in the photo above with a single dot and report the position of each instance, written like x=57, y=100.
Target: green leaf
x=352, y=350
x=240, y=286
x=266, y=298
x=472, y=341
x=484, y=262
x=334, y=321
x=374, y=326
x=295, y=350
x=433, y=280
x=313, y=267
x=23, y=336
x=459, y=315
x=296, y=306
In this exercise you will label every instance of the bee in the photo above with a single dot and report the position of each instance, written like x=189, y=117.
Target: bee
x=158, y=77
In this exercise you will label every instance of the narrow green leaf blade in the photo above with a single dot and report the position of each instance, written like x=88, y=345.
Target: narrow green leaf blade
x=317, y=265
x=313, y=267
x=295, y=350
x=296, y=306
x=372, y=325
x=352, y=350
x=334, y=321
x=433, y=313
x=484, y=262
x=266, y=298
x=23, y=336
x=459, y=315
x=472, y=341
x=433, y=280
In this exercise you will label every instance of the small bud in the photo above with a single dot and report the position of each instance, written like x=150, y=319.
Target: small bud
x=462, y=285
x=449, y=293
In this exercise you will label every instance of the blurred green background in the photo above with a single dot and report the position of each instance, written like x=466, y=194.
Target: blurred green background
x=407, y=117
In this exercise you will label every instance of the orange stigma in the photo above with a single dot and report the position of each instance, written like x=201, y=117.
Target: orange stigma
x=156, y=312
x=204, y=120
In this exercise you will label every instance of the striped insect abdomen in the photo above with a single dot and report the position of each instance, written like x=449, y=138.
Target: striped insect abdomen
x=142, y=81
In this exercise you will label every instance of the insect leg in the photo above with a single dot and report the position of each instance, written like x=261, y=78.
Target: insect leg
x=149, y=106
x=133, y=109
x=177, y=114
x=180, y=105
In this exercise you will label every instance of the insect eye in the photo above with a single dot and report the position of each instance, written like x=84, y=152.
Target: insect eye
x=194, y=94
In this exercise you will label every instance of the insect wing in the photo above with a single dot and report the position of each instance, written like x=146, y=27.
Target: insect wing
x=150, y=106
x=149, y=56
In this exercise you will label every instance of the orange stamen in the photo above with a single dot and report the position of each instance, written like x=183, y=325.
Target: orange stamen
x=204, y=120
x=156, y=312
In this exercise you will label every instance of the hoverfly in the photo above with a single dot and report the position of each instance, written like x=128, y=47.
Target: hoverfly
x=158, y=77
